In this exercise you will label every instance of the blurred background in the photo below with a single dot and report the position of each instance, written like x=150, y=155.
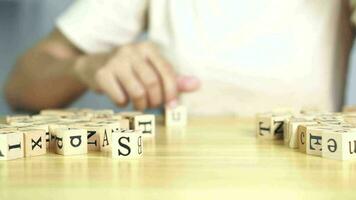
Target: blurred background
x=24, y=22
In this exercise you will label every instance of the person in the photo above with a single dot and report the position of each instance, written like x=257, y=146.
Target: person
x=243, y=56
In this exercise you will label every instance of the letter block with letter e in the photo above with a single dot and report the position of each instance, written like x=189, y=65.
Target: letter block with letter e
x=177, y=116
x=127, y=144
x=71, y=141
x=11, y=145
x=35, y=142
x=339, y=144
x=270, y=126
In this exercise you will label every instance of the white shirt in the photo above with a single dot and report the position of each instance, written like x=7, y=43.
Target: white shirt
x=252, y=56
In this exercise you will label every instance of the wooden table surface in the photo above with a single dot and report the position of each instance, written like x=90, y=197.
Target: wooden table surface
x=213, y=158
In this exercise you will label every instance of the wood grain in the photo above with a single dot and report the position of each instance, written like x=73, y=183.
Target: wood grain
x=212, y=158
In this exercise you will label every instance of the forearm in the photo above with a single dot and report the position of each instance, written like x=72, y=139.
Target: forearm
x=41, y=80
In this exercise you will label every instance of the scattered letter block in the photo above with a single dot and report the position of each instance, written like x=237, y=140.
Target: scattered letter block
x=176, y=116
x=35, y=142
x=127, y=144
x=339, y=144
x=11, y=145
x=270, y=126
x=71, y=141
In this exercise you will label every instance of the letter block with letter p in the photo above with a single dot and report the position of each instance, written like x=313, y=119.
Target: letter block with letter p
x=127, y=144
x=11, y=145
x=71, y=141
x=339, y=144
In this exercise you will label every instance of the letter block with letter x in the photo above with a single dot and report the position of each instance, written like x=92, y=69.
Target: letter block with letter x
x=11, y=145
x=127, y=144
x=270, y=126
x=71, y=141
x=35, y=142
x=339, y=144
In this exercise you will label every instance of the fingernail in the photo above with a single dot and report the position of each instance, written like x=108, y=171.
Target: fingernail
x=172, y=104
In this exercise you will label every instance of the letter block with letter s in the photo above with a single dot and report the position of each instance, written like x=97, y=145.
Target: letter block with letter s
x=127, y=144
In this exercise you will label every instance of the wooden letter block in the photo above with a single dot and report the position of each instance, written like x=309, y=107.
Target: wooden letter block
x=35, y=142
x=105, y=136
x=176, y=116
x=270, y=126
x=11, y=145
x=313, y=140
x=71, y=141
x=146, y=124
x=339, y=144
x=94, y=131
x=127, y=144
x=292, y=131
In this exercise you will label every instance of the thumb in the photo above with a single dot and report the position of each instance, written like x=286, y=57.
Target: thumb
x=188, y=83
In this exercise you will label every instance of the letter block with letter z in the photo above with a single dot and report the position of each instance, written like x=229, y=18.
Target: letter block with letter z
x=71, y=141
x=339, y=144
x=127, y=144
x=270, y=126
x=11, y=145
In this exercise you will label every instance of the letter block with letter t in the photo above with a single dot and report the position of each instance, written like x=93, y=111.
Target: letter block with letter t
x=35, y=142
x=127, y=144
x=270, y=126
x=339, y=144
x=11, y=145
x=71, y=141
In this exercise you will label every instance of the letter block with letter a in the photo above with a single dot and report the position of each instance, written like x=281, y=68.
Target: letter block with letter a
x=105, y=134
x=127, y=144
x=71, y=141
x=35, y=142
x=11, y=145
x=270, y=126
x=177, y=116
x=339, y=144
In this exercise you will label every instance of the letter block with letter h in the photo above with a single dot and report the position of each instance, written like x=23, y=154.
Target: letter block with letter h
x=127, y=144
x=270, y=126
x=71, y=141
x=11, y=145
x=339, y=144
